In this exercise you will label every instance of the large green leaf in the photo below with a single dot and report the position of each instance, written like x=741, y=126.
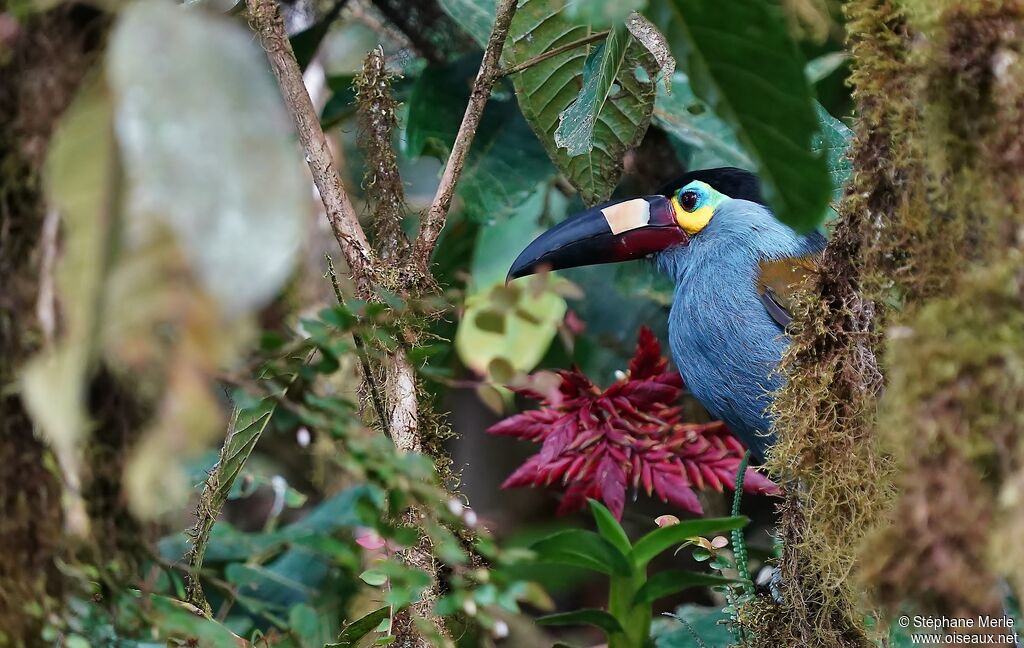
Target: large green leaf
x=609, y=527
x=713, y=142
x=546, y=90
x=665, y=583
x=743, y=63
x=581, y=548
x=587, y=616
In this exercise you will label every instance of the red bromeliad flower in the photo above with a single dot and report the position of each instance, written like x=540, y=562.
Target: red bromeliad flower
x=599, y=442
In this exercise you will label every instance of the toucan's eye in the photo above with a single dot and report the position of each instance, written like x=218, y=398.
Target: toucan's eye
x=688, y=200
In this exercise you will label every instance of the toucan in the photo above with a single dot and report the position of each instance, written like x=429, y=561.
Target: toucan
x=735, y=268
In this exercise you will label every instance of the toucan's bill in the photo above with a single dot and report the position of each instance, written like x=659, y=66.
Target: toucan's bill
x=609, y=233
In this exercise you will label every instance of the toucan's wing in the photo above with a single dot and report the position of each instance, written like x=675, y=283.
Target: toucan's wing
x=778, y=282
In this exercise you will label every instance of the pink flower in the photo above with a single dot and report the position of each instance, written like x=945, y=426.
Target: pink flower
x=369, y=539
x=597, y=443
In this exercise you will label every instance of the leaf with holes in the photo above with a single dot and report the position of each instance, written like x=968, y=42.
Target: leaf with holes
x=549, y=88
x=835, y=140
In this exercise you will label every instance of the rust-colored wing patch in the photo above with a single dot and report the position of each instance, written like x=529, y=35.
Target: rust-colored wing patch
x=778, y=282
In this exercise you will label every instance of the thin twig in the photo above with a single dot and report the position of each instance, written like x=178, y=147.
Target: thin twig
x=562, y=49
x=433, y=222
x=266, y=20
x=364, y=358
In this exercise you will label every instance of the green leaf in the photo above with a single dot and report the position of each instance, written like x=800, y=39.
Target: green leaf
x=742, y=61
x=521, y=341
x=711, y=142
x=575, y=130
x=342, y=103
x=601, y=13
x=586, y=616
x=244, y=434
x=474, y=16
x=373, y=577
x=708, y=624
x=304, y=622
x=834, y=140
x=609, y=527
x=264, y=583
x=359, y=628
x=681, y=114
x=580, y=548
x=671, y=581
x=178, y=620
x=652, y=544
x=547, y=89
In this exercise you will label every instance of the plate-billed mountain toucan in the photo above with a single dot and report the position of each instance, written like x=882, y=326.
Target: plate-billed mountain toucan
x=734, y=266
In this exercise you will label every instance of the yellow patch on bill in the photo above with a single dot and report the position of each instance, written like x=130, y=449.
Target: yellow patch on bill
x=628, y=215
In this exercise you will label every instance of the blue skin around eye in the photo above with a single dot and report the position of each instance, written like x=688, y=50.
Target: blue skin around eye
x=725, y=344
x=698, y=189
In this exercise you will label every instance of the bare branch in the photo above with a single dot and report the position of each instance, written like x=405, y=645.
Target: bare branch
x=265, y=19
x=433, y=222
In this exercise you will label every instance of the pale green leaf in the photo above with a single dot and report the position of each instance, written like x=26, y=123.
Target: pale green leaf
x=530, y=318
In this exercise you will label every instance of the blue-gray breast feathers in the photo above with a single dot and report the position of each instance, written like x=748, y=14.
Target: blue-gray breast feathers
x=724, y=341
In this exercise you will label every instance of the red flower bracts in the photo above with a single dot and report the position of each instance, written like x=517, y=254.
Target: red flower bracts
x=596, y=443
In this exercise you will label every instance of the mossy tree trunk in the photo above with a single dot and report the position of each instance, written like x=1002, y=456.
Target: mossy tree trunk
x=903, y=412
x=45, y=58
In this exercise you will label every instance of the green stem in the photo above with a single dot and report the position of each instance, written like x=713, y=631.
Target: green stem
x=739, y=544
x=635, y=619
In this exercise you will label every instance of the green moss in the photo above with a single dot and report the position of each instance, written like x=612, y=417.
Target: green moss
x=837, y=481
x=952, y=416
